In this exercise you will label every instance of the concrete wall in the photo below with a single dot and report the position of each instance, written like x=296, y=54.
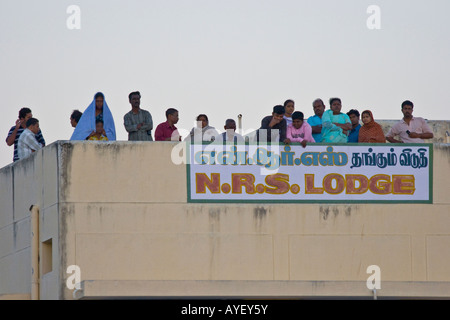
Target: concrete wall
x=32, y=181
x=119, y=211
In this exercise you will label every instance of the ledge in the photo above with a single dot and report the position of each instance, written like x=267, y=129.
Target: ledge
x=124, y=289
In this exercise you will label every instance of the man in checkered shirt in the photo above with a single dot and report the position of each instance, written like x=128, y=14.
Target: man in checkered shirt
x=27, y=143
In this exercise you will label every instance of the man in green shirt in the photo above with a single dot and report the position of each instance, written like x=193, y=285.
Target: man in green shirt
x=138, y=122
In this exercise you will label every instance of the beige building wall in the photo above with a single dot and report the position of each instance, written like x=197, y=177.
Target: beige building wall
x=119, y=212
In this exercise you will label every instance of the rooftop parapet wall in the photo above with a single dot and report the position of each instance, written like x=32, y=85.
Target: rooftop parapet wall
x=441, y=129
x=119, y=211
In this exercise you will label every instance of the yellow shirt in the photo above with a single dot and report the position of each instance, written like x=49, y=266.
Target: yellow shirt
x=102, y=138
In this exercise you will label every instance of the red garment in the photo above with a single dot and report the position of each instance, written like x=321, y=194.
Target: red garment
x=164, y=131
x=371, y=132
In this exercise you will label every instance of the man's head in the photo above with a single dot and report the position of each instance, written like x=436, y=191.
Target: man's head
x=172, y=115
x=354, y=117
x=99, y=126
x=25, y=114
x=99, y=99
x=230, y=124
x=75, y=117
x=336, y=105
x=135, y=99
x=318, y=107
x=278, y=112
x=297, y=119
x=407, y=109
x=289, y=107
x=33, y=125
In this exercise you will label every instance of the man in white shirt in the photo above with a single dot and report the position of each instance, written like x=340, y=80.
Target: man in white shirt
x=410, y=129
x=27, y=143
x=230, y=134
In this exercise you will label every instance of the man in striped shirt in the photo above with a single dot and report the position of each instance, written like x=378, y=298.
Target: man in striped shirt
x=138, y=122
x=27, y=143
x=15, y=131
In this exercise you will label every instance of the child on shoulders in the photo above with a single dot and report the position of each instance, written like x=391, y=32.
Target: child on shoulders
x=99, y=134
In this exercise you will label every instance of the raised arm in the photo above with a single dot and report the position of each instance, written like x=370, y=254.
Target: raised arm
x=13, y=133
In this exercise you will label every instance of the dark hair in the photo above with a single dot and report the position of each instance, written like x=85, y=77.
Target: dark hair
x=407, y=103
x=99, y=94
x=287, y=101
x=318, y=100
x=32, y=121
x=23, y=112
x=170, y=111
x=228, y=121
x=297, y=115
x=334, y=99
x=76, y=115
x=99, y=121
x=279, y=109
x=202, y=115
x=353, y=111
x=134, y=93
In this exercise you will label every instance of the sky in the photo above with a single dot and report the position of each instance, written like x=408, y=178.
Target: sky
x=221, y=58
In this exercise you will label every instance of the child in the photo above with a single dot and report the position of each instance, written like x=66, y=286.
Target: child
x=299, y=131
x=99, y=134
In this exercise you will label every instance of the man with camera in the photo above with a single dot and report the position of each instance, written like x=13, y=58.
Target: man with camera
x=410, y=129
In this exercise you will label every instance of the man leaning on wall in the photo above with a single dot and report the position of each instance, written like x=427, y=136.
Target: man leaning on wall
x=410, y=129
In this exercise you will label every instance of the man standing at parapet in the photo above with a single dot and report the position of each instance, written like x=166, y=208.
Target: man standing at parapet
x=166, y=131
x=410, y=129
x=315, y=121
x=27, y=143
x=138, y=122
x=15, y=132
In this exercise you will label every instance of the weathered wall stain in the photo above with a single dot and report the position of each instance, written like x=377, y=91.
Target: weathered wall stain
x=66, y=211
x=65, y=168
x=324, y=212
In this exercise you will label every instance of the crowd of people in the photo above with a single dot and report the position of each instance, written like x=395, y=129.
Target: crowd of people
x=284, y=125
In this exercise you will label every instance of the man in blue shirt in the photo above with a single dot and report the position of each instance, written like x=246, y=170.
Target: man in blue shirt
x=354, y=132
x=316, y=121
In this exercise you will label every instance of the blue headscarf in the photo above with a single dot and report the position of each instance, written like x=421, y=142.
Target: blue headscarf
x=87, y=122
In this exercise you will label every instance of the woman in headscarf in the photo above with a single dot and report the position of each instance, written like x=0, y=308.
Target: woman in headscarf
x=370, y=132
x=207, y=132
x=97, y=110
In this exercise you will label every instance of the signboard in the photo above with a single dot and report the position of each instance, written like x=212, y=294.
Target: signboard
x=344, y=173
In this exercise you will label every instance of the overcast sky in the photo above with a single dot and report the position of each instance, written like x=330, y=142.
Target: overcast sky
x=222, y=58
